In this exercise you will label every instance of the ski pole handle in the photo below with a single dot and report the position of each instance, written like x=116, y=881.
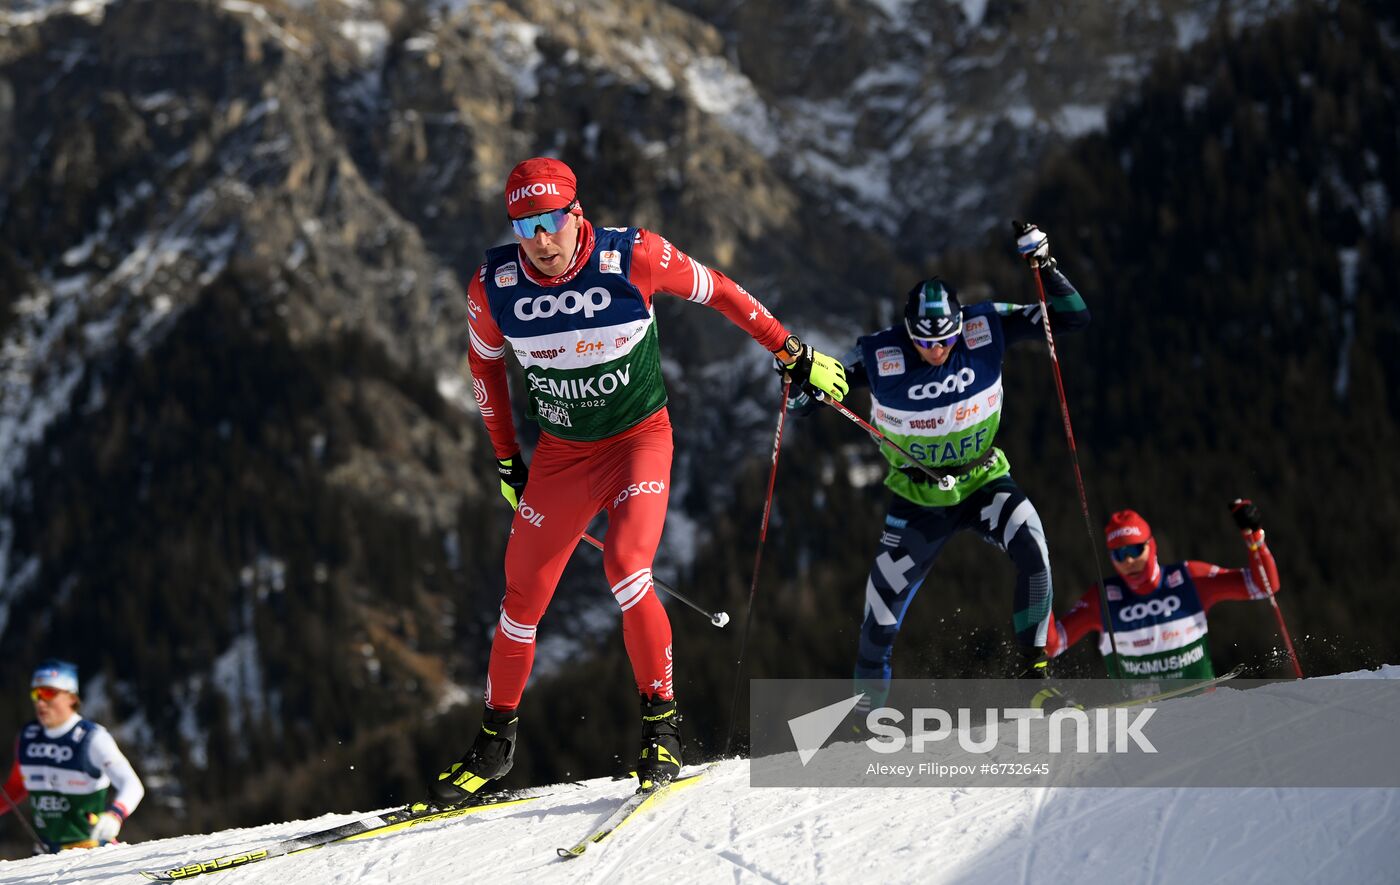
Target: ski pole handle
x=719, y=619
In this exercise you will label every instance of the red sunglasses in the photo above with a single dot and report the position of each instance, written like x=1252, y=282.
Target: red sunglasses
x=44, y=693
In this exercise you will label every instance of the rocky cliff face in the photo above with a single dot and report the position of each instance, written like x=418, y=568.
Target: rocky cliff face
x=232, y=403
x=150, y=163
x=926, y=121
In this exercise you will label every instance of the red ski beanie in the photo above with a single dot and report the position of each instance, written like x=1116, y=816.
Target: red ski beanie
x=537, y=185
x=1126, y=527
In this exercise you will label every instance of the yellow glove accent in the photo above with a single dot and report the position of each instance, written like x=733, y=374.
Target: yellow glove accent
x=514, y=475
x=105, y=827
x=828, y=376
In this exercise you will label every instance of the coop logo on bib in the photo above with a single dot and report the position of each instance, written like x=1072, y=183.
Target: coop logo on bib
x=52, y=752
x=595, y=300
x=955, y=383
x=1146, y=609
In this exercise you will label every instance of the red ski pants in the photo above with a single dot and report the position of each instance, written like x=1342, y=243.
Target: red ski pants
x=629, y=475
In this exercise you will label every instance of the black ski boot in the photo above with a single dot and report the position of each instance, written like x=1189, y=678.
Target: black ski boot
x=1035, y=666
x=491, y=756
x=660, y=758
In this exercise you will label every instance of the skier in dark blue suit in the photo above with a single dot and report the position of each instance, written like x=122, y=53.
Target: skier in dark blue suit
x=935, y=389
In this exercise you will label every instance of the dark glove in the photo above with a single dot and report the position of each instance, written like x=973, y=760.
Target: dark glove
x=1246, y=514
x=1033, y=245
x=798, y=395
x=514, y=475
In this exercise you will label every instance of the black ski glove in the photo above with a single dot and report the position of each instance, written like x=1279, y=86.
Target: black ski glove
x=514, y=475
x=1246, y=514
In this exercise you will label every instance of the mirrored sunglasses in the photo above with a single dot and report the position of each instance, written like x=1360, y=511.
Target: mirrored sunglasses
x=44, y=693
x=949, y=341
x=551, y=221
x=1123, y=554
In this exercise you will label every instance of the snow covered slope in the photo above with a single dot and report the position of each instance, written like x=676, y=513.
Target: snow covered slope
x=724, y=830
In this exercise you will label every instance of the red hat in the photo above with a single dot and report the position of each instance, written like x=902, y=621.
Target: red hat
x=537, y=185
x=1126, y=527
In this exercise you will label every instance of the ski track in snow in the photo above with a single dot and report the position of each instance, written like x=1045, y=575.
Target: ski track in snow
x=1160, y=838
x=723, y=830
x=1028, y=858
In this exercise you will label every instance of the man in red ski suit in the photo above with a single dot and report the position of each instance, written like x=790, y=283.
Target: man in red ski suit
x=574, y=303
x=1158, y=613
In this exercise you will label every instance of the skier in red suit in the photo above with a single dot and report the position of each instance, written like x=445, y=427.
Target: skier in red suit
x=1158, y=613
x=574, y=304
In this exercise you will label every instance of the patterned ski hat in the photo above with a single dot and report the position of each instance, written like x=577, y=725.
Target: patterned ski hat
x=54, y=673
x=1124, y=528
x=932, y=310
x=539, y=184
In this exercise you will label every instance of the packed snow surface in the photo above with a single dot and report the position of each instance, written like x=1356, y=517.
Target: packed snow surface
x=723, y=830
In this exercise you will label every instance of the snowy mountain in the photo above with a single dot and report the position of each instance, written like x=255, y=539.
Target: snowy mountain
x=241, y=481
x=928, y=120
x=724, y=830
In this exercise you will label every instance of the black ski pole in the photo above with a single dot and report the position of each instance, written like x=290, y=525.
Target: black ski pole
x=28, y=827
x=719, y=619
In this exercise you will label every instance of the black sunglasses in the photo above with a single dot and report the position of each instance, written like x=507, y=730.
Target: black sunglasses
x=1123, y=554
